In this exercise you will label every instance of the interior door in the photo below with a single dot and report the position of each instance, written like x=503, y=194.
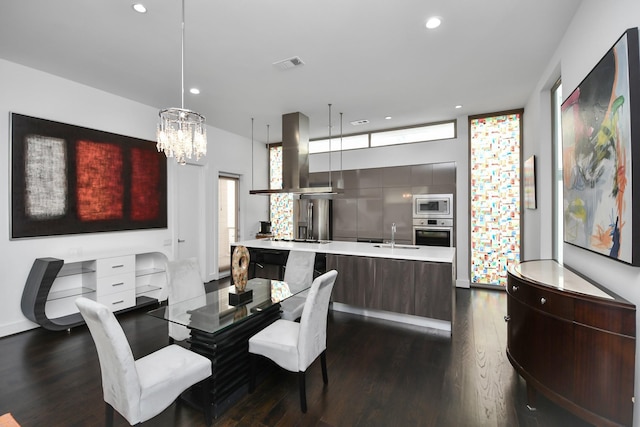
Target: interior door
x=190, y=211
x=228, y=213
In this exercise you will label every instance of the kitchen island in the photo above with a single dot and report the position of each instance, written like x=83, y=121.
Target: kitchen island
x=408, y=284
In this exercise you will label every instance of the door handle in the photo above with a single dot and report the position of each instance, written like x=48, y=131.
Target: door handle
x=180, y=240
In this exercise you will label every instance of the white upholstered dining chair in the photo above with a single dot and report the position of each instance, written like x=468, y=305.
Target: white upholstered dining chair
x=141, y=389
x=298, y=274
x=184, y=283
x=295, y=346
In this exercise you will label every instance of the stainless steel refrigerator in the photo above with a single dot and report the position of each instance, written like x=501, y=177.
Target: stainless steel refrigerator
x=312, y=219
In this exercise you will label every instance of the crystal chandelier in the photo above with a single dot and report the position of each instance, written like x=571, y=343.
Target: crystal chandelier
x=181, y=132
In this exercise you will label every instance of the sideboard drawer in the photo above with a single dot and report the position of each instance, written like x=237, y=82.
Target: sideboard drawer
x=115, y=283
x=542, y=299
x=119, y=300
x=115, y=265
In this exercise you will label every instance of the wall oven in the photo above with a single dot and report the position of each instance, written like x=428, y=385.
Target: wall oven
x=433, y=232
x=433, y=220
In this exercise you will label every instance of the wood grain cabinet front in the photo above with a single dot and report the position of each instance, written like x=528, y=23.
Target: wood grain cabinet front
x=572, y=341
x=393, y=286
x=355, y=278
x=417, y=288
x=434, y=290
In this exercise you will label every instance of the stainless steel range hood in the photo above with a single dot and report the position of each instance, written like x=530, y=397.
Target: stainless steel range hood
x=295, y=161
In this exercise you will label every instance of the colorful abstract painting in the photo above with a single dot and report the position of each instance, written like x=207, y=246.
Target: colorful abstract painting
x=598, y=156
x=68, y=179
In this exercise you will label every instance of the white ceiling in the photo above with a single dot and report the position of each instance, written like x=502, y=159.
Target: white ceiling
x=369, y=58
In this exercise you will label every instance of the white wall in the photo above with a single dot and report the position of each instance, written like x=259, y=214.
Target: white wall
x=593, y=30
x=31, y=92
x=455, y=150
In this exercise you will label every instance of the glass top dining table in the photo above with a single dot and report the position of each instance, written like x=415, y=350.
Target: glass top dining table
x=212, y=312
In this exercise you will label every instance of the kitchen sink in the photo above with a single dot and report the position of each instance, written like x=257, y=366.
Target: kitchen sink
x=396, y=246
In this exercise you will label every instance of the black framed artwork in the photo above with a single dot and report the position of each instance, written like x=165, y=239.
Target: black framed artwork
x=68, y=179
x=601, y=155
x=529, y=182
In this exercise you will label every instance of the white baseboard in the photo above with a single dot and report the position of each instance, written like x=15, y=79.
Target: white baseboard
x=14, y=328
x=463, y=284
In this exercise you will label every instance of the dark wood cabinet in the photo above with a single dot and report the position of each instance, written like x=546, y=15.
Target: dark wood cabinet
x=434, y=290
x=393, y=287
x=572, y=341
x=356, y=275
x=419, y=288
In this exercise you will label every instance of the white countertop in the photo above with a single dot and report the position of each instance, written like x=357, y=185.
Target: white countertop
x=553, y=274
x=423, y=253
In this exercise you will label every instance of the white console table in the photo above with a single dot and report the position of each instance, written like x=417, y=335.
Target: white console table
x=120, y=282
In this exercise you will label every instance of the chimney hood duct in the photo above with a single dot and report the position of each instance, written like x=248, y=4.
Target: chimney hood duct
x=295, y=161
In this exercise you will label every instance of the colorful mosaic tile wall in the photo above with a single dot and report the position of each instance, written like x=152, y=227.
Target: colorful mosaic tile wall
x=495, y=197
x=281, y=204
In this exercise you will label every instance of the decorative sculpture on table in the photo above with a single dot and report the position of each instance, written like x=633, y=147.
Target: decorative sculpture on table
x=239, y=272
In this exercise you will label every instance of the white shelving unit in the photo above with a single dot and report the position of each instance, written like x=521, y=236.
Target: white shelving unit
x=120, y=282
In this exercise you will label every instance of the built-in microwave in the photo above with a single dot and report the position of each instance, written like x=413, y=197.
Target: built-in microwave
x=433, y=206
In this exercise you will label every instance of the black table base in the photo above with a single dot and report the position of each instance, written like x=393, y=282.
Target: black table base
x=228, y=351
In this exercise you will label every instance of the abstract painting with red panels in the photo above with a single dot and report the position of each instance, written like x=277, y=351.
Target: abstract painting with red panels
x=68, y=179
x=145, y=191
x=100, y=189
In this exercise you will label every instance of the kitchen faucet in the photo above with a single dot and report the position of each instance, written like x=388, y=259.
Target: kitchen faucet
x=393, y=235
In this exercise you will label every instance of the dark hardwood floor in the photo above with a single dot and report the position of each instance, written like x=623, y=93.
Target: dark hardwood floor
x=380, y=374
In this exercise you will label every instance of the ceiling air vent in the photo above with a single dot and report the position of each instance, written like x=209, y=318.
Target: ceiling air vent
x=359, y=122
x=285, y=64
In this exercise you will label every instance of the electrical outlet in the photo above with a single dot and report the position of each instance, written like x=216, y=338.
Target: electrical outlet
x=75, y=251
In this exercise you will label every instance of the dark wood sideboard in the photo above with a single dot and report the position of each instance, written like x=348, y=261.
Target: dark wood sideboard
x=572, y=341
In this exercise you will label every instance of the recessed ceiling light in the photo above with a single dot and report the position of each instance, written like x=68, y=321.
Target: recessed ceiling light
x=388, y=118
x=458, y=106
x=194, y=90
x=139, y=7
x=433, y=22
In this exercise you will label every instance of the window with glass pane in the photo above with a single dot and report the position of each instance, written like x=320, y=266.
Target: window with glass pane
x=345, y=143
x=495, y=196
x=558, y=223
x=281, y=205
x=416, y=134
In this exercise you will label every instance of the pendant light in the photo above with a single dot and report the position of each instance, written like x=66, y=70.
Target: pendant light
x=181, y=132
